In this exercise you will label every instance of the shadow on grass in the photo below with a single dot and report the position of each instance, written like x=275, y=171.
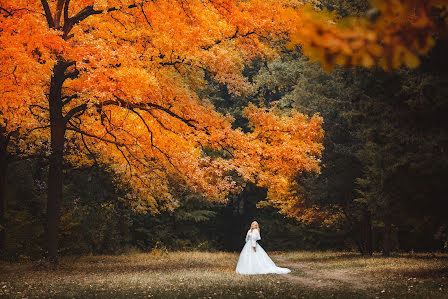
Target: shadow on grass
x=327, y=258
x=112, y=268
x=420, y=273
x=443, y=257
x=347, y=256
x=255, y=289
x=144, y=268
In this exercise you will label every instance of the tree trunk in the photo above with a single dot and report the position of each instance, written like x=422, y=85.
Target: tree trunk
x=366, y=233
x=387, y=237
x=4, y=139
x=58, y=128
x=361, y=230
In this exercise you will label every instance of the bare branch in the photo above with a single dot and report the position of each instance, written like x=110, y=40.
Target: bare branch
x=159, y=122
x=68, y=99
x=75, y=129
x=39, y=128
x=173, y=63
x=225, y=149
x=144, y=14
x=235, y=35
x=39, y=106
x=144, y=122
x=167, y=157
x=127, y=160
x=8, y=12
x=92, y=154
x=144, y=106
x=186, y=9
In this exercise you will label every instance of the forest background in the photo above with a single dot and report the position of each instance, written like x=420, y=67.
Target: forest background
x=383, y=176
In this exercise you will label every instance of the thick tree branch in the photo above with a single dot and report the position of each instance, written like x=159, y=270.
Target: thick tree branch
x=48, y=15
x=57, y=15
x=75, y=111
x=66, y=5
x=84, y=14
x=72, y=75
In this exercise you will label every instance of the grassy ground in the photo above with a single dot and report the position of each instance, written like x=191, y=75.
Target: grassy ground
x=212, y=275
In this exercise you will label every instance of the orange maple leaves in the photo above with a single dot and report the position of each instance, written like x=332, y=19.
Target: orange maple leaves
x=128, y=92
x=401, y=31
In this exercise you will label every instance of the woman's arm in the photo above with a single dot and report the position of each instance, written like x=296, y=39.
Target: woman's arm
x=254, y=237
x=257, y=235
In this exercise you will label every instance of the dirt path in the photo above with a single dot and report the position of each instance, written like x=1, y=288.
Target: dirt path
x=307, y=274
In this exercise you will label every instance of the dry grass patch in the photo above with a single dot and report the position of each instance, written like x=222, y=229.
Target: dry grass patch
x=212, y=275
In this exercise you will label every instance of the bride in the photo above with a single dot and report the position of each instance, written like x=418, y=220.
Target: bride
x=253, y=259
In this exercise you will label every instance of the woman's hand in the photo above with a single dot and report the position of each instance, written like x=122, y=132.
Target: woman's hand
x=255, y=249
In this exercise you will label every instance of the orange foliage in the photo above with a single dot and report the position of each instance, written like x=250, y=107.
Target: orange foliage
x=403, y=30
x=130, y=70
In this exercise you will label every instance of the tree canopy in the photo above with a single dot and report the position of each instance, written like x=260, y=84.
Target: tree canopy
x=127, y=74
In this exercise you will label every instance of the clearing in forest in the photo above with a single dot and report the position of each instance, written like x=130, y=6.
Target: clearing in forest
x=212, y=275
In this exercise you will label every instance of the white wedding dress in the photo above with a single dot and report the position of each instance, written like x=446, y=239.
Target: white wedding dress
x=256, y=262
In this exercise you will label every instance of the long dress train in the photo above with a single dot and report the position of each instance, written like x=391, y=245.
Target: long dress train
x=256, y=262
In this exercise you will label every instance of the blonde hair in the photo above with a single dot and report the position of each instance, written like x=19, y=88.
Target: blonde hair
x=257, y=226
